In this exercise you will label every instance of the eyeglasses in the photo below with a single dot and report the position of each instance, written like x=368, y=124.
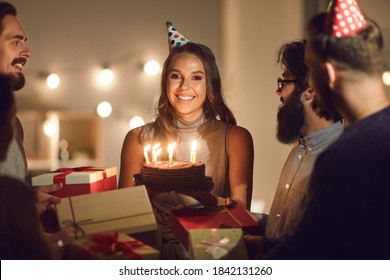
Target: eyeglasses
x=281, y=82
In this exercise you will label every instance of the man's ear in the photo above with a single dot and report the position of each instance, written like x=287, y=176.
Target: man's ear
x=308, y=94
x=331, y=71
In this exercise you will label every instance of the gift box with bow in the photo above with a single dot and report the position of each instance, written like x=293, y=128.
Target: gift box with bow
x=217, y=243
x=79, y=180
x=127, y=210
x=184, y=220
x=110, y=246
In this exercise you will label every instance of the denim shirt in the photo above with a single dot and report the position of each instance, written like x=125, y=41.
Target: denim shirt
x=287, y=205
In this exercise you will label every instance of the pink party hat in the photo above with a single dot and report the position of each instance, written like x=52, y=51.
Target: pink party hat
x=344, y=18
x=175, y=39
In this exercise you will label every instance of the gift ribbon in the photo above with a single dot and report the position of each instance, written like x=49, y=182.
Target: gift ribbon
x=76, y=226
x=109, y=244
x=60, y=178
x=233, y=217
x=224, y=209
x=216, y=247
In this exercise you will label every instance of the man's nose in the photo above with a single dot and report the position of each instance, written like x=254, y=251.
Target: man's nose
x=26, y=52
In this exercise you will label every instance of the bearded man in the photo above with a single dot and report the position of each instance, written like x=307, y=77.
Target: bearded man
x=299, y=123
x=14, y=53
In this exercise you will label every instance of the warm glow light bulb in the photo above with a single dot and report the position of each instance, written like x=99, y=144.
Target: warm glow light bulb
x=136, y=121
x=104, y=109
x=49, y=128
x=106, y=76
x=152, y=68
x=53, y=81
x=386, y=78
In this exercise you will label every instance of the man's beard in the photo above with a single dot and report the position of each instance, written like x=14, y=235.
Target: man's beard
x=16, y=82
x=290, y=119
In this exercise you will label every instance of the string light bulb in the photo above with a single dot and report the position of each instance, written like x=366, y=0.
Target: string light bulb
x=49, y=128
x=136, y=121
x=104, y=109
x=106, y=76
x=386, y=78
x=152, y=68
x=53, y=81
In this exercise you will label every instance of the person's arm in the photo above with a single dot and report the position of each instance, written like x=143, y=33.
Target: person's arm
x=241, y=157
x=25, y=225
x=335, y=207
x=132, y=157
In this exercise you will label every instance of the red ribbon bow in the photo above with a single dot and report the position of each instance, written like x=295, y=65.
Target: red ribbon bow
x=60, y=178
x=109, y=244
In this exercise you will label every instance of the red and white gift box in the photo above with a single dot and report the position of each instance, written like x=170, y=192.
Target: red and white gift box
x=79, y=180
x=187, y=219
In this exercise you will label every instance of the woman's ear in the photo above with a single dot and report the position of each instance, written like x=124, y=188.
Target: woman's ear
x=331, y=71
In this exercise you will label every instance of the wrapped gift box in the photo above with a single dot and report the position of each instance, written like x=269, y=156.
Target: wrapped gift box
x=127, y=210
x=80, y=180
x=110, y=246
x=217, y=244
x=184, y=220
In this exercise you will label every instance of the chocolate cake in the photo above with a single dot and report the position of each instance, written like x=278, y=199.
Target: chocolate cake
x=179, y=177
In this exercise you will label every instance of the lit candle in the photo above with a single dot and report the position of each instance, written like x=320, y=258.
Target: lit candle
x=146, y=155
x=158, y=152
x=170, y=153
x=155, y=152
x=193, y=152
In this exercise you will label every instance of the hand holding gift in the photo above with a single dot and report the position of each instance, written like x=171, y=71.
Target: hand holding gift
x=254, y=245
x=44, y=199
x=208, y=199
x=78, y=180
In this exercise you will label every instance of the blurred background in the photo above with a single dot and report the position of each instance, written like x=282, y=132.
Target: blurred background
x=81, y=115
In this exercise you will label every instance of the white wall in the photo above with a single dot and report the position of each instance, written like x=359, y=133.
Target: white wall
x=253, y=32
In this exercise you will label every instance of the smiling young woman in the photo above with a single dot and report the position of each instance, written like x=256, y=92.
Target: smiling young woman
x=191, y=107
x=186, y=87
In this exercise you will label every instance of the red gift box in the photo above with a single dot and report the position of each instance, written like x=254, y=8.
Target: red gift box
x=79, y=180
x=184, y=220
x=109, y=246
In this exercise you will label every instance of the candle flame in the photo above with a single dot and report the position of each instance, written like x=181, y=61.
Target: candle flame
x=158, y=152
x=193, y=146
x=147, y=148
x=170, y=148
x=193, y=152
x=156, y=146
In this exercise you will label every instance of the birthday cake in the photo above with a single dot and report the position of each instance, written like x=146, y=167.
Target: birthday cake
x=180, y=176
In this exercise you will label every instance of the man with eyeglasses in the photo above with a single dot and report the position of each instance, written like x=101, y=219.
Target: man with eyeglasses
x=348, y=206
x=298, y=124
